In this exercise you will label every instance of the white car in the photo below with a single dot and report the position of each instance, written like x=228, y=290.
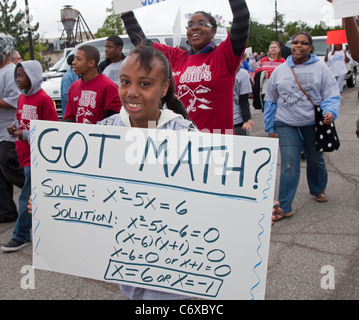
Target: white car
x=53, y=70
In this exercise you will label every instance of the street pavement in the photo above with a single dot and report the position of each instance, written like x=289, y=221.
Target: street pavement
x=314, y=255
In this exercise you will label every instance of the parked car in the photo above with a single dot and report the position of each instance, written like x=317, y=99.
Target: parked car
x=53, y=86
x=52, y=70
x=320, y=49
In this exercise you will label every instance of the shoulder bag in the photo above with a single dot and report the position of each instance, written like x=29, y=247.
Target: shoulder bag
x=327, y=139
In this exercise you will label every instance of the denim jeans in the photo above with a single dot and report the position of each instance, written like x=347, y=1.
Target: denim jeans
x=292, y=141
x=24, y=220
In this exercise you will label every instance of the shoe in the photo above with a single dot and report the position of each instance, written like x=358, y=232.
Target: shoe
x=321, y=197
x=14, y=245
x=280, y=215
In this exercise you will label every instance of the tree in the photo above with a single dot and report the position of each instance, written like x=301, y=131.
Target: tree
x=12, y=23
x=260, y=36
x=112, y=25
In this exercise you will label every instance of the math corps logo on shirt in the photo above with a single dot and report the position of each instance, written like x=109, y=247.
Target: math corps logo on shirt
x=87, y=102
x=28, y=112
x=197, y=97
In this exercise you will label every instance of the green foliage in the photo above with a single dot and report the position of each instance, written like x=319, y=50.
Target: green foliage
x=11, y=23
x=261, y=35
x=112, y=25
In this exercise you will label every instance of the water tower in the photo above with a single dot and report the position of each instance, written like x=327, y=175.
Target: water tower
x=75, y=26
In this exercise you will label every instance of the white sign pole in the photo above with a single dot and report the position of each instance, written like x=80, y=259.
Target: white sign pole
x=180, y=212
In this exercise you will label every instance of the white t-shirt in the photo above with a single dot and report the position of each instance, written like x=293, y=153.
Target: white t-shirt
x=337, y=63
x=112, y=71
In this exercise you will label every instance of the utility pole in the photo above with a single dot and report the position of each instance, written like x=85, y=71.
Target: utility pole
x=32, y=56
x=276, y=21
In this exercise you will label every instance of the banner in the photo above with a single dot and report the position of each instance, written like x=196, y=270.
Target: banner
x=121, y=6
x=336, y=37
x=345, y=8
x=182, y=212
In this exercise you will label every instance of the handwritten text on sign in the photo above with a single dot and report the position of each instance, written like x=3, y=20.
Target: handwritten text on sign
x=174, y=211
x=121, y=6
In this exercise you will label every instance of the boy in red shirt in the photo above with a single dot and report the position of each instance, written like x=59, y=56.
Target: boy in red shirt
x=93, y=97
x=33, y=104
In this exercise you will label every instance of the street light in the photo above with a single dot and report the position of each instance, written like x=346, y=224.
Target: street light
x=32, y=57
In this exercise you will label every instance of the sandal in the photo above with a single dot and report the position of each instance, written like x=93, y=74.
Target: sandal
x=321, y=197
x=279, y=216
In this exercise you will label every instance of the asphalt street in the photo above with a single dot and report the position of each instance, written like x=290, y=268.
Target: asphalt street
x=314, y=255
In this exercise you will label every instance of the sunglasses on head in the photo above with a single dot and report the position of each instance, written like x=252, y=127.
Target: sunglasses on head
x=303, y=43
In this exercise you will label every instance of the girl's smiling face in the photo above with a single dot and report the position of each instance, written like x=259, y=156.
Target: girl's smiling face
x=199, y=36
x=140, y=90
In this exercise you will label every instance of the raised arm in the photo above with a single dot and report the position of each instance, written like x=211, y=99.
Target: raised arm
x=133, y=29
x=240, y=26
x=352, y=33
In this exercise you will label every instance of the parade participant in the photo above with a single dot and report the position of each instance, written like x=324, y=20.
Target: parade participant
x=33, y=104
x=289, y=115
x=114, y=57
x=336, y=60
x=15, y=57
x=242, y=120
x=10, y=172
x=205, y=74
x=67, y=80
x=264, y=69
x=147, y=95
x=94, y=96
x=272, y=61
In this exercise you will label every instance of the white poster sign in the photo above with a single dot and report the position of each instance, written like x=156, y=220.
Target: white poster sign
x=182, y=212
x=345, y=8
x=121, y=6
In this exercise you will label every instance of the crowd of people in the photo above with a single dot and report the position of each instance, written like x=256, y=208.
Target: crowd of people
x=153, y=84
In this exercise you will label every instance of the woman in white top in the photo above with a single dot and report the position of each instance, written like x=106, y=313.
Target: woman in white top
x=336, y=61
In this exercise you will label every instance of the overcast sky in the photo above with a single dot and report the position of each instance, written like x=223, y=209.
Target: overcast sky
x=159, y=18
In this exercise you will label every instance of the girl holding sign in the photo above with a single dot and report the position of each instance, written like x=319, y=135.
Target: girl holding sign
x=147, y=95
x=205, y=75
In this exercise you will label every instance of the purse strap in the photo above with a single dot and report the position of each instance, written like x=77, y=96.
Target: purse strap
x=300, y=87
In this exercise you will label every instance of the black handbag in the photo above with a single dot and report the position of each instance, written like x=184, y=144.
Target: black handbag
x=327, y=139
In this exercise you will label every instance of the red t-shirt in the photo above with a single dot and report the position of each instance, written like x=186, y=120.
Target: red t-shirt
x=37, y=106
x=88, y=100
x=204, y=84
x=266, y=64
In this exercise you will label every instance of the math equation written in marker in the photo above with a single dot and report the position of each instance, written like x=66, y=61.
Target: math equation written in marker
x=191, y=261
